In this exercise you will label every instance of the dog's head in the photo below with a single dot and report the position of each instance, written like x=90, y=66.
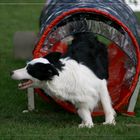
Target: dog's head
x=37, y=70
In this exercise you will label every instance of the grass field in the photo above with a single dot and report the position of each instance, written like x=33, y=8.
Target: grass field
x=50, y=122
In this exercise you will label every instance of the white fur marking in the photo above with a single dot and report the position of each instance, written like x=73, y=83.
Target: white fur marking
x=39, y=60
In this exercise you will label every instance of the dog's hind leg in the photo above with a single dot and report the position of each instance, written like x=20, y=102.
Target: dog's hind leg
x=85, y=115
x=106, y=103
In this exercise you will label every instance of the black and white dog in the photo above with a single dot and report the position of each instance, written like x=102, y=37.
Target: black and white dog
x=80, y=76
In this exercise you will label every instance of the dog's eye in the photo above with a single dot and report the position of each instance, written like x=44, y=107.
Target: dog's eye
x=49, y=71
x=29, y=66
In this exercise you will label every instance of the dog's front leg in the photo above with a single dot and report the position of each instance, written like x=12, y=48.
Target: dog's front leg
x=85, y=115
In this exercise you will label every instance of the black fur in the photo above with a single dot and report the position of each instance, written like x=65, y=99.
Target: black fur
x=53, y=58
x=86, y=48
x=42, y=71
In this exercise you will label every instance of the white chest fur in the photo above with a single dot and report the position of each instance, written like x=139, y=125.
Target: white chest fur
x=75, y=83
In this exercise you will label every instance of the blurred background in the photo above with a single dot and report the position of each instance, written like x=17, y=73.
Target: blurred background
x=49, y=120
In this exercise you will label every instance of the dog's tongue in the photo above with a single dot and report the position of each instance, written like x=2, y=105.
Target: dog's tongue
x=25, y=84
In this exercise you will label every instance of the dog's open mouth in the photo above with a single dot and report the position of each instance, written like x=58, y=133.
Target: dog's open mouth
x=25, y=84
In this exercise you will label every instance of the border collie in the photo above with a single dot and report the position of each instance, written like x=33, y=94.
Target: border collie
x=80, y=77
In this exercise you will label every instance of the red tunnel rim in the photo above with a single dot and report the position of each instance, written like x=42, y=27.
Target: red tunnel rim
x=36, y=52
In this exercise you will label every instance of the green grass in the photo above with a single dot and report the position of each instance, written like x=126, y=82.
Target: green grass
x=138, y=16
x=22, y=1
x=50, y=121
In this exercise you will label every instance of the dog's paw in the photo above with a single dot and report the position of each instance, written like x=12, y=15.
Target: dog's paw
x=110, y=118
x=110, y=122
x=88, y=125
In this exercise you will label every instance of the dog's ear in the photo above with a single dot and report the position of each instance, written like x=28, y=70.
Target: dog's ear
x=53, y=57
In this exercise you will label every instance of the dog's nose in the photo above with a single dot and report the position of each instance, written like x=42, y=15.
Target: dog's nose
x=11, y=73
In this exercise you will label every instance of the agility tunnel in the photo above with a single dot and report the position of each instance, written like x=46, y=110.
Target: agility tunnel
x=114, y=24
